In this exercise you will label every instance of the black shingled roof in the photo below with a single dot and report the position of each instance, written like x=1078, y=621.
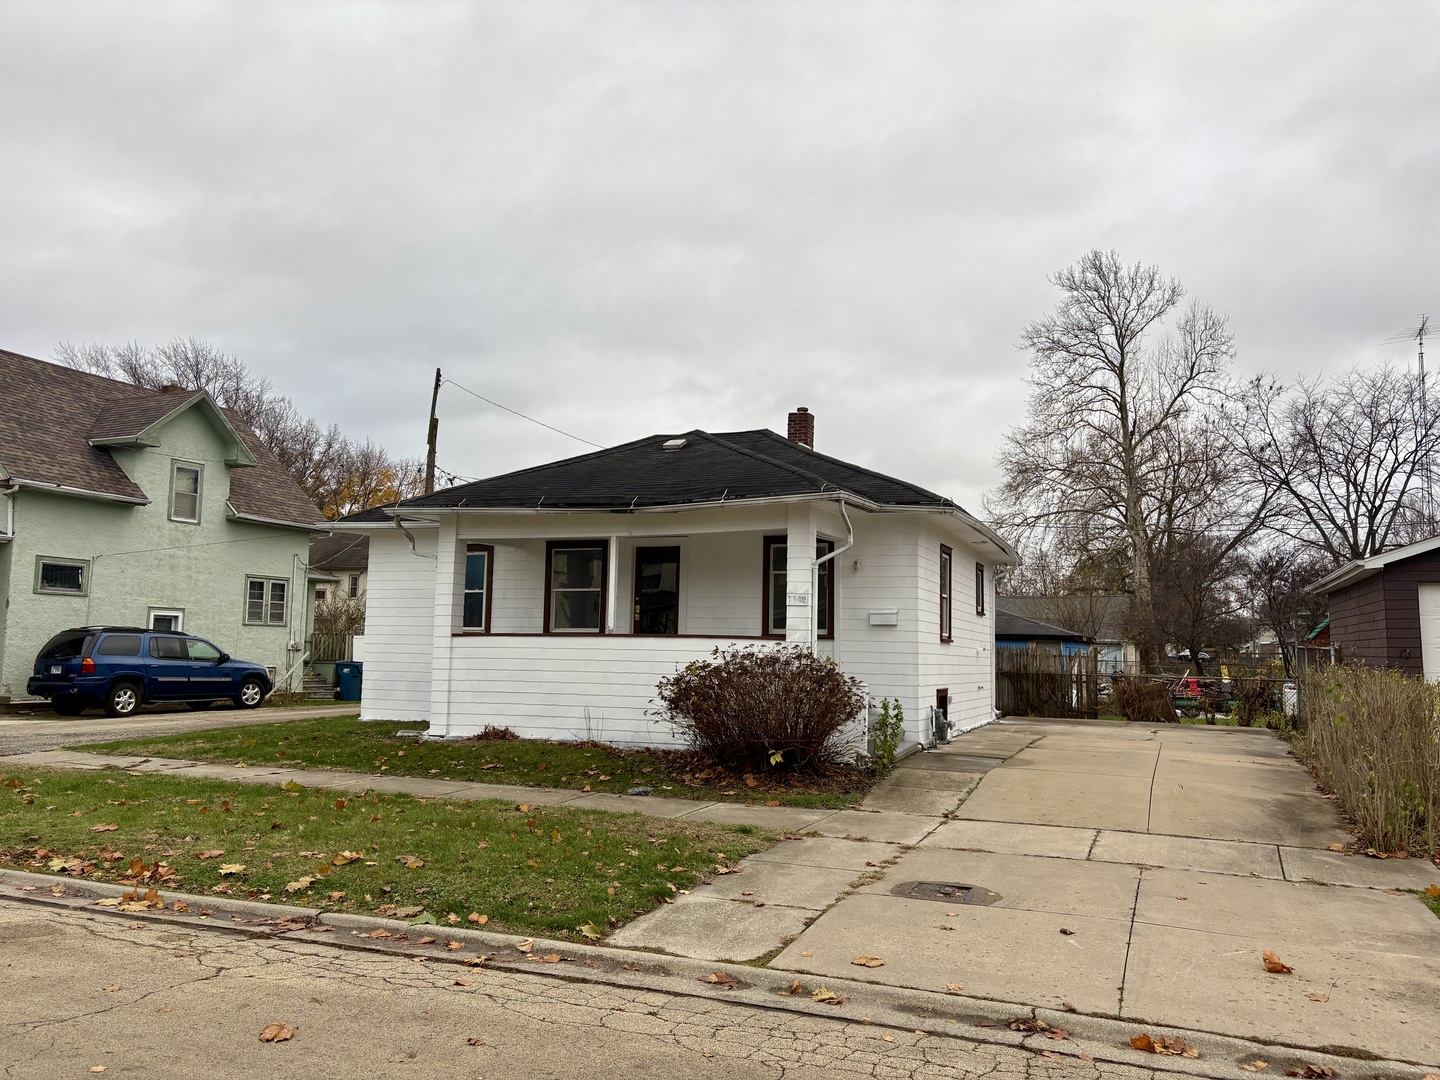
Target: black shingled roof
x=1008, y=625
x=708, y=468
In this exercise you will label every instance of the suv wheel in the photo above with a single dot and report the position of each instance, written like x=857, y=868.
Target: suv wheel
x=68, y=704
x=123, y=699
x=252, y=693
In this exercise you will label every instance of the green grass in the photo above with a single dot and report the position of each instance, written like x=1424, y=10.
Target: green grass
x=540, y=871
x=1432, y=902
x=346, y=743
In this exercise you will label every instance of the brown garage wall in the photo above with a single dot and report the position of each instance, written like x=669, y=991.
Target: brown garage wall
x=1378, y=620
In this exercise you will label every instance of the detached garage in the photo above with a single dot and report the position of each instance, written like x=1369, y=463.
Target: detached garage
x=1385, y=610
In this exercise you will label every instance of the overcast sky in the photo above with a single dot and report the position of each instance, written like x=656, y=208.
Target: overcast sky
x=630, y=218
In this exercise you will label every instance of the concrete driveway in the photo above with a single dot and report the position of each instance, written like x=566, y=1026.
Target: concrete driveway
x=1120, y=871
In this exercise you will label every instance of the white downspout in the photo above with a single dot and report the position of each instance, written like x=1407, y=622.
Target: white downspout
x=815, y=577
x=9, y=494
x=612, y=584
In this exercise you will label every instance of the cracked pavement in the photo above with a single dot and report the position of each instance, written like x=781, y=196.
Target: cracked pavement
x=163, y=1000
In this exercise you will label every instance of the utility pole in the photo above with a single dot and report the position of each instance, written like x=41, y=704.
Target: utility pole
x=434, y=433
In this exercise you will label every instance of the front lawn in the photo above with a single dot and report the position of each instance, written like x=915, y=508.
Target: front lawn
x=346, y=743
x=535, y=870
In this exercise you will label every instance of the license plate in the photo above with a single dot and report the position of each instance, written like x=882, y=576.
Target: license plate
x=55, y=669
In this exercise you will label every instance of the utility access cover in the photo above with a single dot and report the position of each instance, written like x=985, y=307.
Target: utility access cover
x=949, y=892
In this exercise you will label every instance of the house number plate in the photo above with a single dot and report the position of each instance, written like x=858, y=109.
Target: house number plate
x=797, y=599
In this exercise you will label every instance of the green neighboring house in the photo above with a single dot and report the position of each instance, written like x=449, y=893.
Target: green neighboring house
x=126, y=506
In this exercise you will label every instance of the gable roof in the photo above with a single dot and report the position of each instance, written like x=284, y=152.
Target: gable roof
x=1008, y=625
x=1358, y=570
x=694, y=468
x=53, y=418
x=340, y=551
x=1113, y=611
x=137, y=422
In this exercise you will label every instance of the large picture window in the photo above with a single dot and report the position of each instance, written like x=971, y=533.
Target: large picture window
x=575, y=586
x=479, y=571
x=185, y=493
x=947, y=560
x=267, y=601
x=774, y=587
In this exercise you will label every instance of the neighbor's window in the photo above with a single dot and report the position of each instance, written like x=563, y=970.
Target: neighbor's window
x=167, y=620
x=479, y=560
x=775, y=573
x=354, y=586
x=62, y=576
x=575, y=586
x=946, y=561
x=185, y=493
x=265, y=601
x=979, y=588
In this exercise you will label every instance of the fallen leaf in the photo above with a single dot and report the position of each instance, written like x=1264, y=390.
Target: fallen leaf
x=526, y=945
x=111, y=989
x=888, y=1038
x=1318, y=997
x=1066, y=931
x=550, y=958
x=719, y=978
x=807, y=954
x=868, y=961
x=454, y=945
x=954, y=986
x=1057, y=1034
x=1433, y=892
x=1256, y=1066
x=342, y=858
x=460, y=982
x=591, y=931
x=773, y=802
x=474, y=1041
x=1337, y=847
x=232, y=868
x=210, y=854
x=1164, y=1044
x=1312, y=1072
x=477, y=918
x=276, y=1033
x=425, y=941
x=795, y=988
x=410, y=862
x=97, y=1068
x=1274, y=964
x=103, y=828
x=1028, y=1023
x=827, y=997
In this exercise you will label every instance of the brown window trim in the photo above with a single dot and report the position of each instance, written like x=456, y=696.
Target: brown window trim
x=551, y=546
x=489, y=551
x=947, y=595
x=979, y=588
x=783, y=541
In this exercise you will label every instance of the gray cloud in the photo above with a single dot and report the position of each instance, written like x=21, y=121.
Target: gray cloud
x=623, y=218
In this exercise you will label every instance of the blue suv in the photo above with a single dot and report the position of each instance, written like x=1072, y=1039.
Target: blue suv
x=124, y=667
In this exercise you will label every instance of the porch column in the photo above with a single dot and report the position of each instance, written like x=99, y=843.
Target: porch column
x=799, y=575
x=447, y=570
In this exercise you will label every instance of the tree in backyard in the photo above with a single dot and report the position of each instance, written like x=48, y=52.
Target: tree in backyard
x=341, y=475
x=1277, y=583
x=1347, y=458
x=1125, y=446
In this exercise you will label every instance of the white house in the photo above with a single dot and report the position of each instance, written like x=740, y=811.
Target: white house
x=121, y=505
x=552, y=600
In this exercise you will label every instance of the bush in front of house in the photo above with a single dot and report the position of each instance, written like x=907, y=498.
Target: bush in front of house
x=1372, y=736
x=758, y=707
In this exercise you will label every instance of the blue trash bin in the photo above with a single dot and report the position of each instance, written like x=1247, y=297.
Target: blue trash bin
x=350, y=674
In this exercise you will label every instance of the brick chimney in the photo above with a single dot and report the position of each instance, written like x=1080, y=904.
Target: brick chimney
x=801, y=427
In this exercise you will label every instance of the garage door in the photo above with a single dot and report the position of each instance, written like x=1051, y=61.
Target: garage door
x=1430, y=630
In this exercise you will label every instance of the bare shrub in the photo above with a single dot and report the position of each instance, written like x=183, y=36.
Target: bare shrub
x=491, y=733
x=1372, y=737
x=1253, y=698
x=776, y=707
x=1144, y=701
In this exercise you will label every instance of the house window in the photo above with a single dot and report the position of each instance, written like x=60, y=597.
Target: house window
x=979, y=588
x=575, y=586
x=479, y=570
x=265, y=601
x=64, y=576
x=354, y=586
x=185, y=493
x=774, y=588
x=320, y=596
x=947, y=560
x=167, y=620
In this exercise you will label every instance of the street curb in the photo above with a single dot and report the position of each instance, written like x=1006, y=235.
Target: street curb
x=1090, y=1038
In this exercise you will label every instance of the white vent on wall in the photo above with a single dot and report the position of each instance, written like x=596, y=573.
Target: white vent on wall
x=884, y=616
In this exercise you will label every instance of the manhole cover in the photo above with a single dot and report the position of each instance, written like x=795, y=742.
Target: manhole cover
x=950, y=892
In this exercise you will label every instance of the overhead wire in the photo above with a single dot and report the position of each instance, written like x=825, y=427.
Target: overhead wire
x=517, y=412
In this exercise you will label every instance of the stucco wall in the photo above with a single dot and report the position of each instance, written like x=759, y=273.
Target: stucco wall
x=139, y=560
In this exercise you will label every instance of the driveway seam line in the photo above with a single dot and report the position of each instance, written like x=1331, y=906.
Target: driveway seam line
x=1129, y=941
x=1150, y=802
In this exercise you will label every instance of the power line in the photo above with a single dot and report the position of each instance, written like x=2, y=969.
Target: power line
x=522, y=416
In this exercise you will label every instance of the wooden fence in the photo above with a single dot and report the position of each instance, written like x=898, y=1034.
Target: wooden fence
x=1042, y=682
x=329, y=647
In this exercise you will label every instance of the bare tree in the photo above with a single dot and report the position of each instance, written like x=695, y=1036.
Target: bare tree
x=1346, y=458
x=1277, y=581
x=1124, y=448
x=340, y=475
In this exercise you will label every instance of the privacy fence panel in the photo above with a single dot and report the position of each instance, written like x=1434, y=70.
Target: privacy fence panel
x=1042, y=682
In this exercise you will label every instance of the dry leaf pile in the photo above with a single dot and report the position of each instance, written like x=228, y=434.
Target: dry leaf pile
x=1164, y=1044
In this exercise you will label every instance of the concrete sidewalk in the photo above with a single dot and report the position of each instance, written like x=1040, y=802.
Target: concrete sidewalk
x=1119, y=871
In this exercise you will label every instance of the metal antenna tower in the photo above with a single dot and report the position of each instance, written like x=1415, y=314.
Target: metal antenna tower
x=1427, y=494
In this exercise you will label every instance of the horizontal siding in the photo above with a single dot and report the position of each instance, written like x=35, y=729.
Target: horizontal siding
x=963, y=665
x=398, y=627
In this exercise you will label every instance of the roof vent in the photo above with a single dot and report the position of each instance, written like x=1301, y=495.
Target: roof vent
x=672, y=444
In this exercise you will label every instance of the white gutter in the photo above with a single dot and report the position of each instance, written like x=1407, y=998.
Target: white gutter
x=815, y=576
x=83, y=493
x=323, y=530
